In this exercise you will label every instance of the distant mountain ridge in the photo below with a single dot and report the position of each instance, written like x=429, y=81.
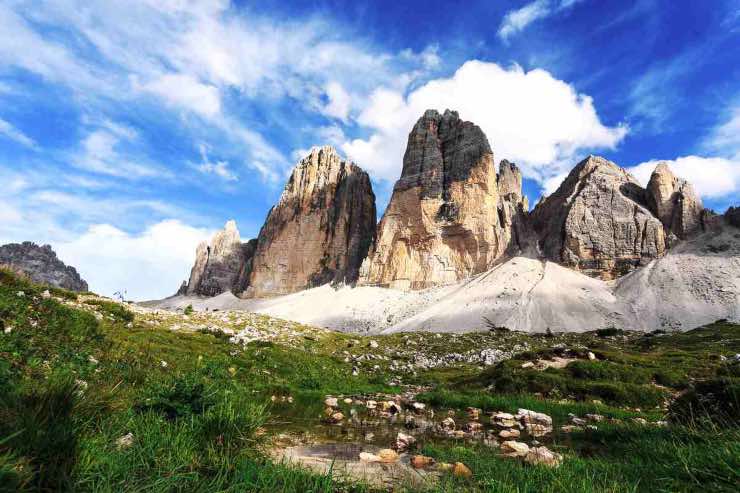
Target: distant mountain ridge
x=41, y=265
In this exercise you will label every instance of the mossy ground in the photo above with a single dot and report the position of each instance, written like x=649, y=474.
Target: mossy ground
x=79, y=373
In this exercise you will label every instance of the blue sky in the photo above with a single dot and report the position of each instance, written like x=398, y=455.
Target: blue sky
x=130, y=130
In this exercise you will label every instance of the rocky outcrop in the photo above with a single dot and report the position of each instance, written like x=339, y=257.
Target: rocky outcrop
x=449, y=216
x=732, y=216
x=598, y=222
x=674, y=202
x=320, y=230
x=41, y=265
x=221, y=265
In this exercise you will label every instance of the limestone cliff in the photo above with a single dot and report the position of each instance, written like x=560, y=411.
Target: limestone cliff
x=320, y=230
x=598, y=222
x=219, y=266
x=674, y=202
x=446, y=219
x=41, y=265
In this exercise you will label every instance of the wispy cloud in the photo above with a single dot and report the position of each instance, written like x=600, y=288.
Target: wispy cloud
x=725, y=137
x=517, y=20
x=184, y=91
x=100, y=152
x=12, y=133
x=219, y=168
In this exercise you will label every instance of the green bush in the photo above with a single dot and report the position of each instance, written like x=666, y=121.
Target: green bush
x=176, y=397
x=40, y=425
x=609, y=332
x=597, y=370
x=716, y=400
x=119, y=312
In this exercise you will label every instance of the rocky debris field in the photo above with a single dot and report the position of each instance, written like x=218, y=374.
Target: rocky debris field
x=694, y=284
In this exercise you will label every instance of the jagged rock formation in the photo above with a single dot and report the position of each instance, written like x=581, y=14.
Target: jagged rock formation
x=449, y=217
x=320, y=230
x=220, y=265
x=598, y=222
x=732, y=216
x=41, y=265
x=674, y=202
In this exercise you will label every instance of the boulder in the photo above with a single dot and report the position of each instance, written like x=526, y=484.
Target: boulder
x=543, y=456
x=598, y=222
x=319, y=231
x=674, y=202
x=446, y=219
x=512, y=448
x=461, y=470
x=404, y=441
x=387, y=455
x=41, y=265
x=421, y=462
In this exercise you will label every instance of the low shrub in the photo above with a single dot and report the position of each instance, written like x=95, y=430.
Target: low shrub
x=716, y=400
x=119, y=312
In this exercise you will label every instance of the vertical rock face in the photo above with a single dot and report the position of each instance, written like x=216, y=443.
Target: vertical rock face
x=732, y=216
x=41, y=265
x=319, y=231
x=674, y=202
x=218, y=265
x=446, y=219
x=598, y=222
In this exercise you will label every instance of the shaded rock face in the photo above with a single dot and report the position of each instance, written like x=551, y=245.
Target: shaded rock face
x=41, y=265
x=320, y=230
x=220, y=265
x=447, y=218
x=674, y=202
x=732, y=216
x=598, y=222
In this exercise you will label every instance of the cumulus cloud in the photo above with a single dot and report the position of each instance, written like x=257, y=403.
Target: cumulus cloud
x=147, y=265
x=339, y=102
x=715, y=175
x=9, y=131
x=532, y=118
x=712, y=177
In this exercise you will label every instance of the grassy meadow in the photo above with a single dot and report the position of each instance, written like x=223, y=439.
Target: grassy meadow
x=97, y=396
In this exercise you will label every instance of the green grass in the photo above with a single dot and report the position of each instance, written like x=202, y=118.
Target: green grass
x=77, y=373
x=616, y=459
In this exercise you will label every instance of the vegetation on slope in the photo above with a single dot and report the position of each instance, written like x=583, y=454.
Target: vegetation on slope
x=95, y=397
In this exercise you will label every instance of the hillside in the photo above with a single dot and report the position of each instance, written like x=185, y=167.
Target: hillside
x=102, y=396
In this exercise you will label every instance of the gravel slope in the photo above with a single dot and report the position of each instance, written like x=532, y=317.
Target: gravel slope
x=696, y=283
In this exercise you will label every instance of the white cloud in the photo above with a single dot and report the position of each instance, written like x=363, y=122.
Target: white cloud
x=339, y=102
x=9, y=131
x=148, y=265
x=516, y=20
x=184, y=91
x=531, y=118
x=219, y=168
x=725, y=138
x=100, y=153
x=192, y=56
x=712, y=177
